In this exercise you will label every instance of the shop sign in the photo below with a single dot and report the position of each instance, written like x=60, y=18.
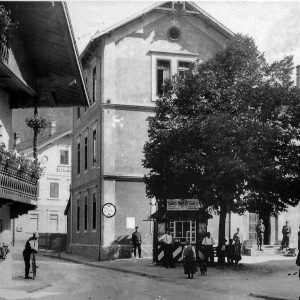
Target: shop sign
x=183, y=204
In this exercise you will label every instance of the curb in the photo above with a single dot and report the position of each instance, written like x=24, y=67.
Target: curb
x=267, y=297
x=103, y=267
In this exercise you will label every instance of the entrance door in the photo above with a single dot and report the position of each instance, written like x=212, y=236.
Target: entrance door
x=266, y=219
x=253, y=220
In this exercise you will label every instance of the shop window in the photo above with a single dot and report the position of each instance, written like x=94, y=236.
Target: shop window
x=183, y=230
x=54, y=190
x=163, y=72
x=94, y=213
x=53, y=222
x=33, y=223
x=64, y=157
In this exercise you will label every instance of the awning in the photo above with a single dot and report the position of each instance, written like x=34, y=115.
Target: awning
x=180, y=214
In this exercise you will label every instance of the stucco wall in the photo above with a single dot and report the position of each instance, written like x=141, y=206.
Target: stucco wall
x=5, y=120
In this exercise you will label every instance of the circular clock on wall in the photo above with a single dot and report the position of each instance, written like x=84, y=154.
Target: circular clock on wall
x=109, y=210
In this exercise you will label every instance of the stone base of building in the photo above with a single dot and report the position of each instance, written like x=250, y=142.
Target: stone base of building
x=103, y=253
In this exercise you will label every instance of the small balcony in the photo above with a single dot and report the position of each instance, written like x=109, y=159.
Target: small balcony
x=17, y=186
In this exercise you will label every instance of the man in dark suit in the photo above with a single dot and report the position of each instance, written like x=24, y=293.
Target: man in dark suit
x=137, y=241
x=31, y=246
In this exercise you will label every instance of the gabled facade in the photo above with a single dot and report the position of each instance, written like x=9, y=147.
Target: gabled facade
x=39, y=67
x=124, y=68
x=53, y=190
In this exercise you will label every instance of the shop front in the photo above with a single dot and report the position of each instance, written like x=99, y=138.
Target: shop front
x=185, y=220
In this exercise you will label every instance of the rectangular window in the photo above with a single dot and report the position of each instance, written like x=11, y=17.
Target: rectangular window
x=163, y=72
x=94, y=147
x=182, y=230
x=64, y=157
x=85, y=152
x=94, y=84
x=183, y=67
x=94, y=211
x=85, y=212
x=78, y=158
x=33, y=225
x=53, y=222
x=54, y=189
x=78, y=215
x=78, y=112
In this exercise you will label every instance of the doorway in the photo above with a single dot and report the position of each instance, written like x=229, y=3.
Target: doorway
x=266, y=219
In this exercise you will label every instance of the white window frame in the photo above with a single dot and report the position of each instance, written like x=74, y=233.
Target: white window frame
x=53, y=212
x=174, y=58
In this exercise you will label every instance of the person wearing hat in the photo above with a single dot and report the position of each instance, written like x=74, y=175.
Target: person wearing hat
x=31, y=246
x=137, y=241
x=260, y=230
x=286, y=233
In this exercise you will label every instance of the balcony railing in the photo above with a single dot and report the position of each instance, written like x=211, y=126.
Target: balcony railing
x=17, y=186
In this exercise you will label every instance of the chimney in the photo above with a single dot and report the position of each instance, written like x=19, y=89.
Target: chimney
x=17, y=138
x=298, y=76
x=52, y=127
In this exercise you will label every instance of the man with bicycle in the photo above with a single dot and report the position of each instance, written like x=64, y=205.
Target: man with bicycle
x=31, y=246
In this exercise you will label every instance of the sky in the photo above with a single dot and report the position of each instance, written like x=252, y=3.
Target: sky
x=274, y=25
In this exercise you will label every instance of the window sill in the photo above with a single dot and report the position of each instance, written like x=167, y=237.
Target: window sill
x=85, y=171
x=85, y=231
x=77, y=232
x=54, y=199
x=94, y=230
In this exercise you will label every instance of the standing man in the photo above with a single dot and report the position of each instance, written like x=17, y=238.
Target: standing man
x=260, y=230
x=208, y=243
x=31, y=246
x=167, y=247
x=286, y=233
x=238, y=241
x=137, y=241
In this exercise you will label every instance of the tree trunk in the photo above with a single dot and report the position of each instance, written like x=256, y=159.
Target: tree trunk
x=222, y=224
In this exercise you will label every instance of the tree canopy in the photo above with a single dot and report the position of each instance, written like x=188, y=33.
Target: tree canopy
x=227, y=133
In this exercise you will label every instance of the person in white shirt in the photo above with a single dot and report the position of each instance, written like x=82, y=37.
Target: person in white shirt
x=167, y=247
x=208, y=243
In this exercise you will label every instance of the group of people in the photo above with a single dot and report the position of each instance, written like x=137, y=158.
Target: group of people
x=286, y=234
x=232, y=251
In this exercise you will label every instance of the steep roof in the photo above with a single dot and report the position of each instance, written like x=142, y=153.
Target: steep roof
x=45, y=29
x=166, y=6
x=43, y=140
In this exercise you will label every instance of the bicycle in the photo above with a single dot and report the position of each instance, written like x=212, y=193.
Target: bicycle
x=33, y=266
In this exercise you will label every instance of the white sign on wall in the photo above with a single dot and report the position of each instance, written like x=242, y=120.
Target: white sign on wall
x=130, y=222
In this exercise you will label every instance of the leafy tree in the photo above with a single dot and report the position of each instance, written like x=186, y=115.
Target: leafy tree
x=226, y=134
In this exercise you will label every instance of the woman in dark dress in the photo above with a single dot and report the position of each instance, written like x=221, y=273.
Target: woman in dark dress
x=189, y=260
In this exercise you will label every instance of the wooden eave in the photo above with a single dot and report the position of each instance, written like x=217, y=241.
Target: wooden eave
x=50, y=47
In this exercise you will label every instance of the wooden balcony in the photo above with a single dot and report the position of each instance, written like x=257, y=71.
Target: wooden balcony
x=17, y=187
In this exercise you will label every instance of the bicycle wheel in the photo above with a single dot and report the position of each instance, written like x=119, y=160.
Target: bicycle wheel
x=33, y=264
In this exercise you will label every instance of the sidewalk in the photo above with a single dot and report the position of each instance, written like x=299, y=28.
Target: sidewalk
x=264, y=277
